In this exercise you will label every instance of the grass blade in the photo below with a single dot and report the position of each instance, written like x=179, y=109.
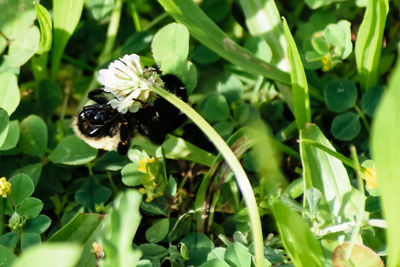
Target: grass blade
x=369, y=42
x=207, y=32
x=301, y=100
x=386, y=154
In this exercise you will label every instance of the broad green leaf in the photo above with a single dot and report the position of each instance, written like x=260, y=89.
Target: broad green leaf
x=46, y=28
x=301, y=100
x=204, y=56
x=33, y=139
x=121, y=225
x=100, y=8
x=12, y=136
x=4, y=126
x=72, y=151
x=131, y=176
x=78, y=229
x=50, y=255
x=21, y=188
x=16, y=16
x=207, y=32
x=369, y=42
x=170, y=47
x=304, y=250
x=215, y=108
x=92, y=193
x=346, y=126
x=151, y=250
x=224, y=128
x=323, y=171
x=188, y=75
x=314, y=4
x=32, y=170
x=29, y=239
x=66, y=14
x=360, y=256
x=158, y=231
x=385, y=145
x=37, y=225
x=215, y=263
x=9, y=92
x=198, y=246
x=259, y=47
x=30, y=207
x=263, y=19
x=137, y=42
x=237, y=255
x=6, y=256
x=340, y=95
x=339, y=37
x=3, y=44
x=230, y=87
x=370, y=100
x=23, y=47
x=178, y=148
x=111, y=161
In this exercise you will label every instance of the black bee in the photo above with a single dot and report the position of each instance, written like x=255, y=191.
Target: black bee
x=104, y=127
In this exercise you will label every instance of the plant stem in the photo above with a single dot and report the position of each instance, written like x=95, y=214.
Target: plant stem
x=363, y=118
x=230, y=158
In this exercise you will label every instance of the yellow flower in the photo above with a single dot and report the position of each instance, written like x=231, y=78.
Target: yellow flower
x=97, y=250
x=143, y=163
x=5, y=187
x=370, y=178
x=327, y=63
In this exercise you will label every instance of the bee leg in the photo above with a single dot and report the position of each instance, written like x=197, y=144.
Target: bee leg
x=125, y=136
x=97, y=95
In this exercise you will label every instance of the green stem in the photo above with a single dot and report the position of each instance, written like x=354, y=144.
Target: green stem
x=155, y=21
x=363, y=118
x=1, y=216
x=234, y=164
x=110, y=179
x=135, y=17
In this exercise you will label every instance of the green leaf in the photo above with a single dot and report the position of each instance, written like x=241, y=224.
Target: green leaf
x=370, y=100
x=151, y=250
x=207, y=32
x=32, y=170
x=158, y=231
x=21, y=188
x=46, y=28
x=6, y=256
x=66, y=14
x=9, y=240
x=385, y=145
x=92, y=193
x=121, y=225
x=258, y=47
x=339, y=36
x=301, y=100
x=340, y=95
x=224, y=128
x=100, y=8
x=346, y=126
x=215, y=108
x=360, y=255
x=33, y=140
x=29, y=239
x=72, y=151
x=198, y=246
x=170, y=47
x=137, y=42
x=323, y=171
x=23, y=47
x=49, y=255
x=111, y=161
x=4, y=126
x=268, y=25
x=130, y=174
x=215, y=263
x=314, y=4
x=49, y=97
x=37, y=225
x=230, y=87
x=78, y=229
x=12, y=135
x=369, y=42
x=204, y=56
x=30, y=207
x=188, y=75
x=17, y=16
x=303, y=248
x=178, y=148
x=237, y=255
x=9, y=93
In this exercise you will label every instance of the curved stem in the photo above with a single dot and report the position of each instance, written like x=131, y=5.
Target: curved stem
x=230, y=158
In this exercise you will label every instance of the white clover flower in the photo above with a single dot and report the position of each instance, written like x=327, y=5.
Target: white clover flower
x=130, y=83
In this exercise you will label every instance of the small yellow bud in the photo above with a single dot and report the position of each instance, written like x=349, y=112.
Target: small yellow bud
x=5, y=187
x=327, y=63
x=97, y=250
x=143, y=163
x=370, y=178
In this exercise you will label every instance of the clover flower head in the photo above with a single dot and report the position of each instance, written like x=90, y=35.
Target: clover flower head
x=130, y=83
x=5, y=187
